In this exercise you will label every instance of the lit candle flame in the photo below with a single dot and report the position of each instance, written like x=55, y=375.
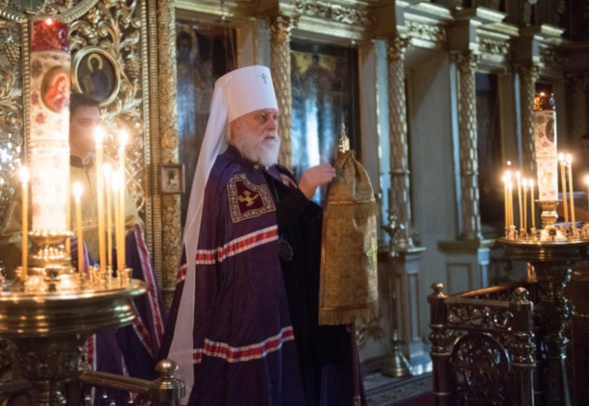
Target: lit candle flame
x=99, y=135
x=77, y=190
x=123, y=138
x=25, y=175
x=107, y=170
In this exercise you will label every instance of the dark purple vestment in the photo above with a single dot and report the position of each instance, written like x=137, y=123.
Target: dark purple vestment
x=246, y=345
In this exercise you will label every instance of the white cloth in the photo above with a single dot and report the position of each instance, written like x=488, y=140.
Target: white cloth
x=237, y=93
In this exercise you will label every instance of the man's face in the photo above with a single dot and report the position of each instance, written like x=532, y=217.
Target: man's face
x=255, y=136
x=83, y=122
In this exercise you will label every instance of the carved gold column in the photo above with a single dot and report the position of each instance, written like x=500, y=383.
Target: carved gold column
x=529, y=75
x=170, y=245
x=280, y=68
x=579, y=108
x=467, y=129
x=401, y=203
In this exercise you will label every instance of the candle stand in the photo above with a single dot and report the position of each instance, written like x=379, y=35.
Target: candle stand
x=49, y=311
x=551, y=251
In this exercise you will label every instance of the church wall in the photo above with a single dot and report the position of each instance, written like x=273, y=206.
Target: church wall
x=432, y=178
x=383, y=130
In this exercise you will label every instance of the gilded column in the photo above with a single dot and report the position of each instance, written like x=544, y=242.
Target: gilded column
x=467, y=131
x=280, y=67
x=171, y=236
x=400, y=202
x=529, y=75
x=579, y=110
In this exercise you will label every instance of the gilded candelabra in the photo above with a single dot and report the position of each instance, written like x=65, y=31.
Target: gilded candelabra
x=49, y=311
x=551, y=250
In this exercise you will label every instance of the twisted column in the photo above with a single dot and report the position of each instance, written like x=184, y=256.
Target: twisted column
x=400, y=202
x=280, y=68
x=579, y=110
x=171, y=235
x=529, y=75
x=467, y=129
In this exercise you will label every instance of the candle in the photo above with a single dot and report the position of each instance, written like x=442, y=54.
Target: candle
x=532, y=202
x=99, y=134
x=519, y=198
x=525, y=185
x=510, y=199
x=564, y=189
x=77, y=189
x=122, y=143
x=24, y=178
x=506, y=209
x=108, y=176
x=587, y=183
x=116, y=190
x=48, y=147
x=571, y=193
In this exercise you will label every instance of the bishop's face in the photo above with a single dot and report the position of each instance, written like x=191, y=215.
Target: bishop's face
x=83, y=122
x=255, y=135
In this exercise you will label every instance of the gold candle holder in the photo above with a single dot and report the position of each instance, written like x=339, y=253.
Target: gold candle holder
x=549, y=214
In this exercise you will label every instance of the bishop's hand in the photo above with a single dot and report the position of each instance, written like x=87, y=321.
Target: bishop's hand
x=314, y=177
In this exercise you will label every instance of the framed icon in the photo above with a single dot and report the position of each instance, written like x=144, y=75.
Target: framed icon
x=55, y=88
x=96, y=74
x=171, y=179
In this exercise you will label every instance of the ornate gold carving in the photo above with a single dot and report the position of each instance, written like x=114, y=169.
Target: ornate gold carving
x=493, y=47
x=401, y=205
x=280, y=67
x=396, y=47
x=529, y=76
x=166, y=132
x=428, y=32
x=552, y=57
x=467, y=131
x=115, y=30
x=11, y=108
x=332, y=12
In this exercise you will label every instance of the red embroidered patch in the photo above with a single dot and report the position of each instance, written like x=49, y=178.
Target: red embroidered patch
x=248, y=200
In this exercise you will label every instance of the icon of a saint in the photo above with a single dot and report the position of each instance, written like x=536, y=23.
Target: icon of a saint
x=57, y=90
x=95, y=82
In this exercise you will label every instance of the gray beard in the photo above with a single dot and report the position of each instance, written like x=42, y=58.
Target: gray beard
x=264, y=153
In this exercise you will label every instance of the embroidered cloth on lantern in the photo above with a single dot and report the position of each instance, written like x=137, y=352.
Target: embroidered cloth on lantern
x=348, y=286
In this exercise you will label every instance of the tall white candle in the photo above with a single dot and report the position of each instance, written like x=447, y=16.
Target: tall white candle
x=587, y=183
x=571, y=193
x=108, y=177
x=116, y=190
x=99, y=134
x=24, y=178
x=123, y=137
x=564, y=189
x=525, y=186
x=505, y=201
x=519, y=198
x=532, y=202
x=77, y=190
